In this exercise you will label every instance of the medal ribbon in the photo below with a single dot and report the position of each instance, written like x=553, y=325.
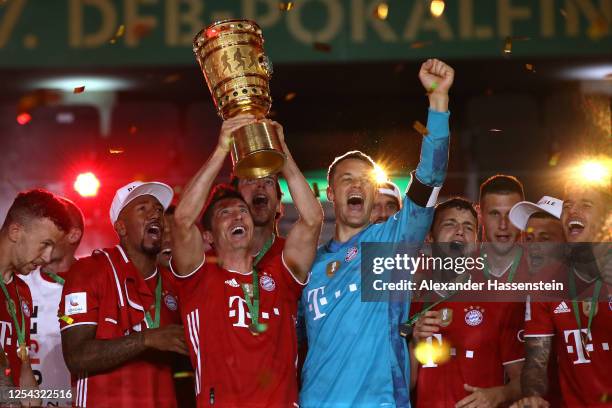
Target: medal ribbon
x=416, y=316
x=596, y=291
x=55, y=277
x=154, y=324
x=253, y=304
x=11, y=309
x=515, y=264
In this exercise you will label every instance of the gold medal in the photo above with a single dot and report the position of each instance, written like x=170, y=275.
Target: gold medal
x=587, y=304
x=22, y=352
x=446, y=316
x=332, y=267
x=257, y=329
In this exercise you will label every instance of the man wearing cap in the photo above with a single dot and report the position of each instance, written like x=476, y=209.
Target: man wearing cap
x=388, y=201
x=119, y=311
x=543, y=230
x=576, y=328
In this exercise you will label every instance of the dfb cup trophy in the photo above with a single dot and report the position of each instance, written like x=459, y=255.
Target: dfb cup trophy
x=231, y=56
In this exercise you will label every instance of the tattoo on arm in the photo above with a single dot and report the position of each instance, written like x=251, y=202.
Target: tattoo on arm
x=534, y=377
x=85, y=354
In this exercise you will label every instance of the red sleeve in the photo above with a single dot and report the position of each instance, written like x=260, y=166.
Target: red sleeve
x=540, y=322
x=511, y=347
x=81, y=294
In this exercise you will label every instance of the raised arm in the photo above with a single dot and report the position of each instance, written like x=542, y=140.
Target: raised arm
x=301, y=245
x=437, y=78
x=187, y=243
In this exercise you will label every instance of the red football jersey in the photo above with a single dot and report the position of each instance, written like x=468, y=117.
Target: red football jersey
x=20, y=295
x=233, y=367
x=583, y=368
x=114, y=298
x=483, y=337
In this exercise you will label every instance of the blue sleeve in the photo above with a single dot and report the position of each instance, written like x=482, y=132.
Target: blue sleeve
x=434, y=150
x=412, y=222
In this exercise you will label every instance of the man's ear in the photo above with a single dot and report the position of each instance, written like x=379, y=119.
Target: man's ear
x=74, y=235
x=120, y=228
x=207, y=236
x=429, y=238
x=330, y=194
x=14, y=231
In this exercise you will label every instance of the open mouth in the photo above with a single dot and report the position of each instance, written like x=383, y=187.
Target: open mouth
x=238, y=231
x=355, y=202
x=575, y=227
x=457, y=246
x=260, y=200
x=166, y=251
x=154, y=231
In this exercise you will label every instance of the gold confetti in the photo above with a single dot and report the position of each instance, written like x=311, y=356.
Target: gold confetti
x=381, y=11
x=420, y=44
x=79, y=89
x=419, y=127
x=508, y=45
x=290, y=96
x=117, y=150
x=323, y=47
x=529, y=67
x=436, y=7
x=285, y=6
x=554, y=159
x=67, y=319
x=118, y=34
x=529, y=230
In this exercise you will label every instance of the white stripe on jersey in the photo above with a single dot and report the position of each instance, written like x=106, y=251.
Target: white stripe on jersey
x=193, y=324
x=77, y=400
x=85, y=393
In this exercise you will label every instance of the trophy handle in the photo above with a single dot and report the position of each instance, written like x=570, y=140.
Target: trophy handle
x=256, y=151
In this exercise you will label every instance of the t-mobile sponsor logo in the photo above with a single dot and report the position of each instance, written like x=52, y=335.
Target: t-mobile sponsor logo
x=577, y=345
x=314, y=305
x=241, y=309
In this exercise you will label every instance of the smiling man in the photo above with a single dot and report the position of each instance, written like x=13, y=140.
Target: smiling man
x=36, y=222
x=119, y=311
x=576, y=331
x=240, y=312
x=356, y=356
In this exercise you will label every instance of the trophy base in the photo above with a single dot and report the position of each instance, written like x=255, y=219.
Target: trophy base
x=256, y=151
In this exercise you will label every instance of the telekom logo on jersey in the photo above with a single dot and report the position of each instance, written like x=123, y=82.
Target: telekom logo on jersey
x=238, y=308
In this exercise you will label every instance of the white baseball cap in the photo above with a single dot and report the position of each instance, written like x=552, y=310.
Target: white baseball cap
x=127, y=193
x=389, y=188
x=520, y=212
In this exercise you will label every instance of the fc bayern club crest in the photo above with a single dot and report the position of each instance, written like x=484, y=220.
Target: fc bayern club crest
x=25, y=308
x=473, y=316
x=267, y=283
x=351, y=253
x=171, y=302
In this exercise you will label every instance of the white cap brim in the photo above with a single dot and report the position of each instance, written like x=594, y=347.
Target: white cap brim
x=162, y=192
x=520, y=213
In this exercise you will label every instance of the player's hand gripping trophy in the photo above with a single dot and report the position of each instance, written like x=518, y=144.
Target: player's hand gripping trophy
x=231, y=56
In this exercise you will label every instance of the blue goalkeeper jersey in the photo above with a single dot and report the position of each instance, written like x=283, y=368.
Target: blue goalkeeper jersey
x=356, y=356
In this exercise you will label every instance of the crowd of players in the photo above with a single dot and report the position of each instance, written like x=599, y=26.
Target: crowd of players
x=204, y=299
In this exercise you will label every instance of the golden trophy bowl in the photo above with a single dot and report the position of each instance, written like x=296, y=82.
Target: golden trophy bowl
x=231, y=57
